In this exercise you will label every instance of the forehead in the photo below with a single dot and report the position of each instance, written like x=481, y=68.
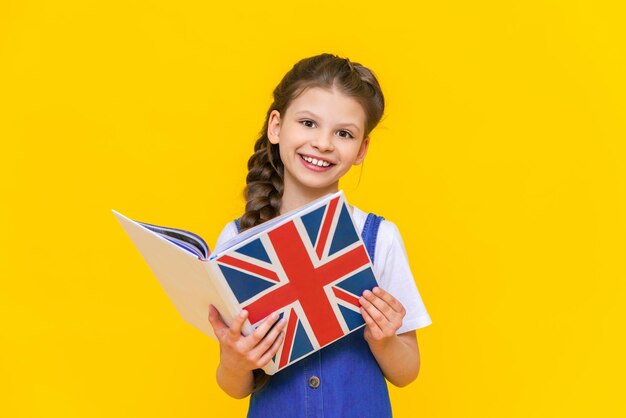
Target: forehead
x=329, y=104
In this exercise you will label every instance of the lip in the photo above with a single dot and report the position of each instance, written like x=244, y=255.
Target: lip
x=314, y=167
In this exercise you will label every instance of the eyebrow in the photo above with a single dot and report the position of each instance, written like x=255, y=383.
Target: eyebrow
x=307, y=112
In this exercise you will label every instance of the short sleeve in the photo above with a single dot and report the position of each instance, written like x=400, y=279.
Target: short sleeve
x=395, y=276
x=229, y=231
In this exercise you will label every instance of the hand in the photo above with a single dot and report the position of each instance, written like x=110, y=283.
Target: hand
x=240, y=354
x=383, y=315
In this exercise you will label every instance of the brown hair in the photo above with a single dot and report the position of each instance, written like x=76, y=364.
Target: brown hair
x=264, y=182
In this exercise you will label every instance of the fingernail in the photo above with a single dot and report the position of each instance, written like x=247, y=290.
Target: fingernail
x=376, y=290
x=243, y=313
x=367, y=293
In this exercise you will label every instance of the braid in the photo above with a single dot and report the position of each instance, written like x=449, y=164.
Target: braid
x=263, y=194
x=264, y=184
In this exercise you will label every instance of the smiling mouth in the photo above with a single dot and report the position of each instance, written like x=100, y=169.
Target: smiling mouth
x=315, y=161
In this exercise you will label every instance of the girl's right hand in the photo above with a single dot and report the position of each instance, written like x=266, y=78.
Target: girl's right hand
x=241, y=354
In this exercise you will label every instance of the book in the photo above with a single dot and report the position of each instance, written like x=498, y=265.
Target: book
x=310, y=265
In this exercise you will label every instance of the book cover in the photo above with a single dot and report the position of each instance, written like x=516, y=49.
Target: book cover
x=310, y=265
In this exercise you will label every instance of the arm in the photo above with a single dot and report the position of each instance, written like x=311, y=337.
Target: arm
x=240, y=355
x=397, y=355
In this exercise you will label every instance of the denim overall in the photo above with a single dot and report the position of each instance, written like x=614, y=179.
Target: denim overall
x=341, y=380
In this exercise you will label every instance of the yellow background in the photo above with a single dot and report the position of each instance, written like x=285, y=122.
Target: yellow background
x=501, y=159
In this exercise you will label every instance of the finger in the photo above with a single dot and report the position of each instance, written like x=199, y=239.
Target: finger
x=262, y=329
x=372, y=309
x=388, y=297
x=234, y=331
x=371, y=324
x=265, y=358
x=270, y=338
x=381, y=305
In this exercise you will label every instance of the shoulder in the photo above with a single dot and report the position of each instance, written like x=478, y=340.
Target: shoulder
x=389, y=244
x=388, y=232
x=229, y=231
x=388, y=238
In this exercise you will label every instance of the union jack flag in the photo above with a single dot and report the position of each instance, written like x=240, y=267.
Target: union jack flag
x=312, y=270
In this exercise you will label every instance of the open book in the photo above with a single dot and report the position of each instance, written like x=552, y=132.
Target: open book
x=310, y=265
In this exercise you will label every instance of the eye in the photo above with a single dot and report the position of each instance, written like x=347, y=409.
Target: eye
x=308, y=123
x=345, y=134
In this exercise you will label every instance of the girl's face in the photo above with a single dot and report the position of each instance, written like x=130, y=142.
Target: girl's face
x=321, y=137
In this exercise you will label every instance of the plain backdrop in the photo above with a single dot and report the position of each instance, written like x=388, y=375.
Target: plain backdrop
x=500, y=158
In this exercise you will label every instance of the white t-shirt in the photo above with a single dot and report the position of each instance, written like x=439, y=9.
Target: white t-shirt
x=390, y=265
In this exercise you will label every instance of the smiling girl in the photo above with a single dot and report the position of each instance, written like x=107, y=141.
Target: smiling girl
x=316, y=129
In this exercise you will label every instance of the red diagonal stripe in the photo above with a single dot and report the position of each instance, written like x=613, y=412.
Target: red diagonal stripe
x=328, y=220
x=249, y=267
x=339, y=267
x=345, y=296
x=288, y=341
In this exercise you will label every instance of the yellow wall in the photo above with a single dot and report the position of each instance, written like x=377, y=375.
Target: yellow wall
x=501, y=159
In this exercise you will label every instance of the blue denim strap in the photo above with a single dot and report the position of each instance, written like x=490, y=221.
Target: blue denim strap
x=370, y=232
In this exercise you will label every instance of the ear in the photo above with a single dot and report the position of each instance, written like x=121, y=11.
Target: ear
x=273, y=126
x=362, y=151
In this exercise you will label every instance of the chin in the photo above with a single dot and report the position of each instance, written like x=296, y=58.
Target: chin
x=317, y=185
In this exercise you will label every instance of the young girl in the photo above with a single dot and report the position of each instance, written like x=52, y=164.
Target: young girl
x=317, y=128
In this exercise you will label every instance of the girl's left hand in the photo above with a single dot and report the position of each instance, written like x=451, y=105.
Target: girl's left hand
x=382, y=313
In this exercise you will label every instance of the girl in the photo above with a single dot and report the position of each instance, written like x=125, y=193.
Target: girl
x=317, y=128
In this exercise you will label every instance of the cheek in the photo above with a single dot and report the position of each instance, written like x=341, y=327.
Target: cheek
x=283, y=153
x=349, y=151
x=294, y=137
x=303, y=135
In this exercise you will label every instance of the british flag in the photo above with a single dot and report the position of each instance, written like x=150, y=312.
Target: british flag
x=312, y=270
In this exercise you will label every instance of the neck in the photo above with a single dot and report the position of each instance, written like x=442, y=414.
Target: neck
x=295, y=197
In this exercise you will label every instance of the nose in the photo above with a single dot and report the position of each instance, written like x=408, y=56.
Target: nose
x=323, y=142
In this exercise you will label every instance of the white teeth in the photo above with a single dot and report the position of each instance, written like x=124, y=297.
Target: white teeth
x=316, y=162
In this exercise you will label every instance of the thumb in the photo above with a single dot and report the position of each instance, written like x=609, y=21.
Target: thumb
x=218, y=324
